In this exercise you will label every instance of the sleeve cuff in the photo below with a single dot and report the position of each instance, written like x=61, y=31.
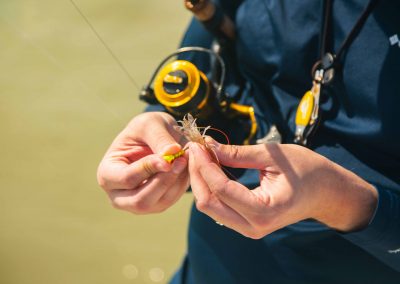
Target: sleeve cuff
x=384, y=221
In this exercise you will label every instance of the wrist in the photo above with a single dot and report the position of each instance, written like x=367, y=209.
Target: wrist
x=349, y=202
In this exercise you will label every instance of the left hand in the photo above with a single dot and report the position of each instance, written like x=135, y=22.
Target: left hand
x=295, y=184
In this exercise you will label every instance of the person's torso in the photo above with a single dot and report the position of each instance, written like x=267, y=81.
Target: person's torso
x=278, y=42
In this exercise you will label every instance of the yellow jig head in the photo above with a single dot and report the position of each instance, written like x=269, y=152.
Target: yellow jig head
x=171, y=157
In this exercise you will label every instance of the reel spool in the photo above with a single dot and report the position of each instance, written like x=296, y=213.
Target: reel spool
x=181, y=87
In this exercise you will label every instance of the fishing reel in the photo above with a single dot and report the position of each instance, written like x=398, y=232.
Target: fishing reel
x=182, y=88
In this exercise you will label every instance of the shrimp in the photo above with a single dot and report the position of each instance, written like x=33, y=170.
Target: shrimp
x=191, y=132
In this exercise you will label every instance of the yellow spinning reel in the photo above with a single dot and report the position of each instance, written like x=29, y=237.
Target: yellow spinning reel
x=182, y=88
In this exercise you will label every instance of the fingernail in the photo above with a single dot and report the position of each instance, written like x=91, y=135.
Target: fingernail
x=170, y=149
x=211, y=142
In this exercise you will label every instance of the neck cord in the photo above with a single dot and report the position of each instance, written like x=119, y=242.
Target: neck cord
x=323, y=71
x=352, y=34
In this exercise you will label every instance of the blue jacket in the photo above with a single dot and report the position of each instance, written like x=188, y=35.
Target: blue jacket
x=277, y=44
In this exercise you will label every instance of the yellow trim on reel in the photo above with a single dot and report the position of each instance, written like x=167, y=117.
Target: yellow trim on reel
x=246, y=111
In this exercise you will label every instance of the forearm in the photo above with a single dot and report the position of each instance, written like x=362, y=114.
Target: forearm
x=366, y=215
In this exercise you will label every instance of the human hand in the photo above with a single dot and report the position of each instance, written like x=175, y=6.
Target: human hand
x=133, y=173
x=295, y=184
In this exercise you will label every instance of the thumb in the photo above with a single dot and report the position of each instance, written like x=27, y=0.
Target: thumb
x=248, y=156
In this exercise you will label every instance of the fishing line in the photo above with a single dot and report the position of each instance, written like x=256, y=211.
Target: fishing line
x=105, y=45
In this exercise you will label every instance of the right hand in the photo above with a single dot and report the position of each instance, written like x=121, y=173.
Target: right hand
x=133, y=172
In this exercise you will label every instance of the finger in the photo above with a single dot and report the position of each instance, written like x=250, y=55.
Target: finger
x=155, y=130
x=127, y=154
x=118, y=175
x=223, y=214
x=180, y=185
x=133, y=153
x=206, y=202
x=235, y=195
x=151, y=192
x=232, y=193
x=146, y=198
x=200, y=189
x=161, y=138
x=257, y=219
x=251, y=156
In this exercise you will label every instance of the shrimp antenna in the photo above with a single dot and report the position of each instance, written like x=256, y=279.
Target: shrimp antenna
x=221, y=132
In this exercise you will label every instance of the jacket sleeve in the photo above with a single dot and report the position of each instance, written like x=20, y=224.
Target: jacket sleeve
x=381, y=237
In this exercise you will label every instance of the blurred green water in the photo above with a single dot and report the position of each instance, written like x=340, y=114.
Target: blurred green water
x=62, y=100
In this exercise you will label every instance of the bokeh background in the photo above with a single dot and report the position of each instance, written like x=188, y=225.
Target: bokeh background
x=63, y=98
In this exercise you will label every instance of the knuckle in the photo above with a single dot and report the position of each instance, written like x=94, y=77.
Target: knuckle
x=164, y=203
x=140, y=206
x=101, y=178
x=160, y=209
x=115, y=203
x=148, y=167
x=101, y=181
x=203, y=205
x=221, y=187
x=258, y=235
x=136, y=206
x=139, y=120
x=260, y=221
x=254, y=234
x=125, y=180
x=234, y=152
